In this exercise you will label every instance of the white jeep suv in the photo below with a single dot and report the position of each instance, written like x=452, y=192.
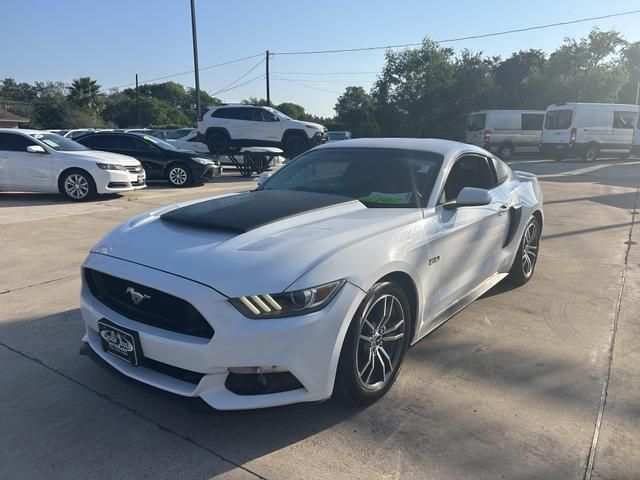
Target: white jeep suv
x=225, y=127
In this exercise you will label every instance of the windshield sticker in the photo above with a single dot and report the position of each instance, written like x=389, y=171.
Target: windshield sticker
x=390, y=198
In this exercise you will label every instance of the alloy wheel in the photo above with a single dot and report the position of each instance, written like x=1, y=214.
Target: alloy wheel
x=76, y=186
x=178, y=176
x=530, y=249
x=380, y=342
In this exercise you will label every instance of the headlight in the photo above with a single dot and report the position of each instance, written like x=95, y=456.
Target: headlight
x=111, y=166
x=287, y=304
x=201, y=161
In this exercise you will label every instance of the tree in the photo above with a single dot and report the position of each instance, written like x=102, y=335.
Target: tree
x=85, y=93
x=631, y=61
x=293, y=110
x=511, y=77
x=355, y=111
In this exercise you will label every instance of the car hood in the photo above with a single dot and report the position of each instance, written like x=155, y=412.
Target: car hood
x=265, y=254
x=104, y=157
x=316, y=126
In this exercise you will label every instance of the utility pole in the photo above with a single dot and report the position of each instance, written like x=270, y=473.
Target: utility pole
x=137, y=103
x=267, y=77
x=195, y=57
x=638, y=93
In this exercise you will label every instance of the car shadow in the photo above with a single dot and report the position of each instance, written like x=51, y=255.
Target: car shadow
x=23, y=199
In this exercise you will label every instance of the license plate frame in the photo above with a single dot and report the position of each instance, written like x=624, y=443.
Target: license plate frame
x=120, y=341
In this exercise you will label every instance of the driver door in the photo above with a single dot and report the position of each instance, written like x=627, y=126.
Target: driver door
x=22, y=170
x=472, y=237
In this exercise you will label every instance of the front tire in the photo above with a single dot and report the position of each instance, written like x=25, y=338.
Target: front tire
x=294, y=145
x=505, y=152
x=591, y=153
x=179, y=175
x=524, y=264
x=375, y=345
x=218, y=143
x=77, y=185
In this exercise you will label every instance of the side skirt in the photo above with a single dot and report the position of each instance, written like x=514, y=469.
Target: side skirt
x=461, y=304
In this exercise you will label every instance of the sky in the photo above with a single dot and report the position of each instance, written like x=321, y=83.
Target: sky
x=113, y=40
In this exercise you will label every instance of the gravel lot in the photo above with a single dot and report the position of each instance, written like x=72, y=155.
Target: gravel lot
x=509, y=388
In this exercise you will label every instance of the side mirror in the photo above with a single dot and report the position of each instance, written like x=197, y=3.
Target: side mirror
x=35, y=149
x=470, y=197
x=264, y=177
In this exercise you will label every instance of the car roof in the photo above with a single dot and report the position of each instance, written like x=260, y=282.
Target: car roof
x=27, y=131
x=435, y=145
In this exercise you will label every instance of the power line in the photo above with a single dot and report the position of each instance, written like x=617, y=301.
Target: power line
x=305, y=85
x=226, y=87
x=326, y=73
x=259, y=77
x=459, y=39
x=189, y=71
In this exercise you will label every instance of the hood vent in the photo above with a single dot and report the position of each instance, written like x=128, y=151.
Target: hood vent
x=247, y=211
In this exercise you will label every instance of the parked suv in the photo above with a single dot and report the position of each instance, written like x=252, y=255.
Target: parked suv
x=225, y=127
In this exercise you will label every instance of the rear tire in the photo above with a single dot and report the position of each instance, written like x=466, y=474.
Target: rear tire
x=375, y=345
x=591, y=153
x=77, y=185
x=179, y=175
x=294, y=145
x=526, y=259
x=505, y=151
x=218, y=143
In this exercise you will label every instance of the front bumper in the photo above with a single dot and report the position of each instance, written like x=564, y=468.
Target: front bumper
x=207, y=172
x=319, y=138
x=306, y=346
x=119, y=181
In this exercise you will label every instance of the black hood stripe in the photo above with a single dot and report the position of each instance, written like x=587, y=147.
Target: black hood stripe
x=247, y=211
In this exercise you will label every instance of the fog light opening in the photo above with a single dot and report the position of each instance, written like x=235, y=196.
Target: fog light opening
x=261, y=380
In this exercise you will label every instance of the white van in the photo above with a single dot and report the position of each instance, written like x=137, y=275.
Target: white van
x=635, y=148
x=589, y=129
x=505, y=132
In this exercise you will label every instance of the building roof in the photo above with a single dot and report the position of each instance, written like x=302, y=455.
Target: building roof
x=6, y=116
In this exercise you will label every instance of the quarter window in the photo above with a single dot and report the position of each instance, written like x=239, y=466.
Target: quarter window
x=532, y=121
x=502, y=170
x=14, y=143
x=468, y=171
x=626, y=120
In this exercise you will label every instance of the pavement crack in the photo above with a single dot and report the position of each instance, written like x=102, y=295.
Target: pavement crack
x=612, y=343
x=133, y=411
x=11, y=290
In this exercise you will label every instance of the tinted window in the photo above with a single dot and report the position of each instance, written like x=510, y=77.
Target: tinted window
x=61, y=144
x=126, y=143
x=98, y=141
x=532, y=121
x=468, y=171
x=14, y=142
x=558, y=119
x=242, y=113
x=476, y=122
x=625, y=120
x=268, y=116
x=502, y=170
x=377, y=177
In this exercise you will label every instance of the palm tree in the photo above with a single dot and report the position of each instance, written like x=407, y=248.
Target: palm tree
x=85, y=92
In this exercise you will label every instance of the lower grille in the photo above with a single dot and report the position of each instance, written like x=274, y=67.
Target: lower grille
x=153, y=307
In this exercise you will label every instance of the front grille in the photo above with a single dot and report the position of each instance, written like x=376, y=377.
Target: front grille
x=137, y=169
x=155, y=308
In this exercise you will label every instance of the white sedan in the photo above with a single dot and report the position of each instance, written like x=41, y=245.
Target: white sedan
x=39, y=161
x=315, y=283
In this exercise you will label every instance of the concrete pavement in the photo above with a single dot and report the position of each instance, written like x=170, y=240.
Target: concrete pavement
x=509, y=388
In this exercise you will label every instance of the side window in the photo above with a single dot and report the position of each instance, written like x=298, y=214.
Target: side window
x=503, y=172
x=256, y=115
x=221, y=113
x=126, y=143
x=242, y=113
x=14, y=143
x=268, y=116
x=624, y=120
x=98, y=141
x=468, y=171
x=532, y=121
x=143, y=146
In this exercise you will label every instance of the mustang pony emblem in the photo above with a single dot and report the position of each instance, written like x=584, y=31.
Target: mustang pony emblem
x=136, y=297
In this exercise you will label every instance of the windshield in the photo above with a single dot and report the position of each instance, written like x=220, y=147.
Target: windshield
x=278, y=113
x=476, y=122
x=558, y=119
x=337, y=136
x=176, y=134
x=375, y=176
x=59, y=143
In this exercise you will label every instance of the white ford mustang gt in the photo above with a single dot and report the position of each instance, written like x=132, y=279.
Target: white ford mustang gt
x=315, y=283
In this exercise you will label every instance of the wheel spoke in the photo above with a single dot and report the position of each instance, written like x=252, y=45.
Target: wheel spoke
x=368, y=324
x=373, y=367
x=361, y=373
x=395, y=327
x=386, y=355
x=393, y=338
x=384, y=369
x=365, y=338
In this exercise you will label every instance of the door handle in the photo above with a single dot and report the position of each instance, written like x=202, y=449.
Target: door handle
x=504, y=208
